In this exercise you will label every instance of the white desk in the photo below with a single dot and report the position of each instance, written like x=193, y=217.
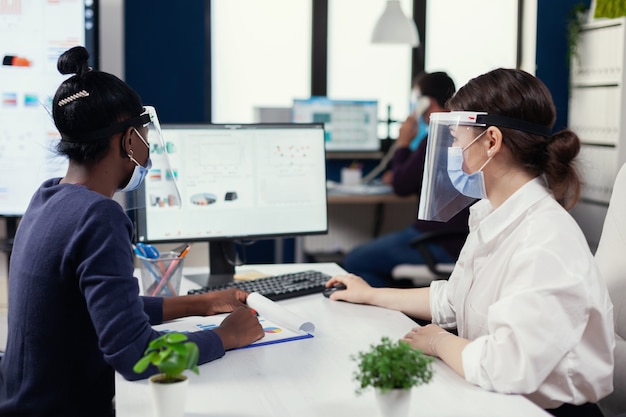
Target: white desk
x=313, y=377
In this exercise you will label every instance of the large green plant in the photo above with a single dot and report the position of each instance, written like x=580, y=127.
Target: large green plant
x=171, y=353
x=392, y=365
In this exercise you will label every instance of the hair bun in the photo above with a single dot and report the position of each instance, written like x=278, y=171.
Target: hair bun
x=74, y=61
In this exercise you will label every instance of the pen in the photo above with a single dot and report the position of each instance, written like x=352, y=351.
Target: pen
x=185, y=250
x=171, y=269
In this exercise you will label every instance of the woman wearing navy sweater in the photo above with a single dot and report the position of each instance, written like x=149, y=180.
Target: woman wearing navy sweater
x=75, y=314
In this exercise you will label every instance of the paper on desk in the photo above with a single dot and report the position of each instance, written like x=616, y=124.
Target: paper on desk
x=278, y=314
x=249, y=275
x=360, y=189
x=279, y=324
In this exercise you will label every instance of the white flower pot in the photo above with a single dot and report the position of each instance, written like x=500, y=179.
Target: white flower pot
x=394, y=403
x=169, y=399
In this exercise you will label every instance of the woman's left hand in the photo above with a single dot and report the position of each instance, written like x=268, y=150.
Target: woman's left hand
x=224, y=301
x=426, y=338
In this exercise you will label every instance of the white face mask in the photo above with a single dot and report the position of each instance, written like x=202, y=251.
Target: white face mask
x=140, y=172
x=471, y=185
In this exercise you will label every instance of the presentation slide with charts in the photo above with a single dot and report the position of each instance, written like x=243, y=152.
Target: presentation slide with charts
x=33, y=33
x=279, y=324
x=243, y=181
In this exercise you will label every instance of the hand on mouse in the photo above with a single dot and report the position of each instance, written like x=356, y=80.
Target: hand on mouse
x=329, y=291
x=357, y=290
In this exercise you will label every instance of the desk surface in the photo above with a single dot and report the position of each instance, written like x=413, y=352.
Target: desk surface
x=369, y=199
x=313, y=377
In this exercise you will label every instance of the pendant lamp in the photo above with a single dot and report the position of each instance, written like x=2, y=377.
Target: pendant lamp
x=394, y=27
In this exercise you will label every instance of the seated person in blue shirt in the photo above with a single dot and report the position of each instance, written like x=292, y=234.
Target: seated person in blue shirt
x=375, y=260
x=75, y=314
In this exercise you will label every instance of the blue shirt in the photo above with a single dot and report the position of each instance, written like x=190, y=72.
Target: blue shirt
x=75, y=314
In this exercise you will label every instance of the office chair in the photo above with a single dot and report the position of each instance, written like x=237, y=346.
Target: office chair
x=423, y=275
x=611, y=259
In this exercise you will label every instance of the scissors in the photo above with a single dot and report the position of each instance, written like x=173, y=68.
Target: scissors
x=147, y=251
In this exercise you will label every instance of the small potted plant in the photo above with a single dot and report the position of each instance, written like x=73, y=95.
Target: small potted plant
x=172, y=354
x=392, y=369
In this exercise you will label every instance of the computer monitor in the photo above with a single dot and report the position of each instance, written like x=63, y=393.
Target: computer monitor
x=236, y=182
x=350, y=125
x=32, y=36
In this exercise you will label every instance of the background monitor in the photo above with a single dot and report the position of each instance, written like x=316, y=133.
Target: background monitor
x=32, y=36
x=237, y=182
x=350, y=125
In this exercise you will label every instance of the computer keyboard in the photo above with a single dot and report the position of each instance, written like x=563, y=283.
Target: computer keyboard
x=277, y=287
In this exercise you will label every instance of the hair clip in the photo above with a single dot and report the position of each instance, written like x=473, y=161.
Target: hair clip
x=73, y=97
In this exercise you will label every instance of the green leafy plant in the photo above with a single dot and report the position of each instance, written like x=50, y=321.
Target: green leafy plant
x=610, y=8
x=171, y=353
x=392, y=365
x=575, y=20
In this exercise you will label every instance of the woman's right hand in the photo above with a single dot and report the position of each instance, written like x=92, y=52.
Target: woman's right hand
x=357, y=289
x=408, y=130
x=240, y=328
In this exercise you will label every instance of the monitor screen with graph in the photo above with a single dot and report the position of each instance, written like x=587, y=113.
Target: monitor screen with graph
x=32, y=36
x=236, y=182
x=350, y=125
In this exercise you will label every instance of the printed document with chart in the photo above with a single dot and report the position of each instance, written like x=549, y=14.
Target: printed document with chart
x=279, y=324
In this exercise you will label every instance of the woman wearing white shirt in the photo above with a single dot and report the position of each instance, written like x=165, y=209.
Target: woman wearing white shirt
x=532, y=313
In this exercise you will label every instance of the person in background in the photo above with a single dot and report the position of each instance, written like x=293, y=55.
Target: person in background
x=375, y=260
x=532, y=312
x=75, y=315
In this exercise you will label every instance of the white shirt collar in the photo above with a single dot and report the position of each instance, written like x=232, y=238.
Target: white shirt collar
x=490, y=223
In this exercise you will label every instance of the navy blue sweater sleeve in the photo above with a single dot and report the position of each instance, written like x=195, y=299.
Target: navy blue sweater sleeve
x=121, y=319
x=153, y=307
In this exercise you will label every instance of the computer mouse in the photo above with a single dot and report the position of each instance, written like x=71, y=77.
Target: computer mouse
x=328, y=291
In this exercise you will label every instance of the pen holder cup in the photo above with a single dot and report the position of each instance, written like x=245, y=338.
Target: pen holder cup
x=160, y=277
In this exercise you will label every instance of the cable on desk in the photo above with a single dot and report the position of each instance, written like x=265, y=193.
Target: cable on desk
x=381, y=165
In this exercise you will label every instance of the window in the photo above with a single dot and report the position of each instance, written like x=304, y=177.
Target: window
x=465, y=41
x=261, y=56
x=358, y=69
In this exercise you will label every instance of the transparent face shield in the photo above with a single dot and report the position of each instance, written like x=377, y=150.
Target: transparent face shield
x=439, y=199
x=159, y=188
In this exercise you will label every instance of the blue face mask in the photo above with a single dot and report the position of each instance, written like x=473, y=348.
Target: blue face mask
x=140, y=172
x=422, y=132
x=471, y=185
